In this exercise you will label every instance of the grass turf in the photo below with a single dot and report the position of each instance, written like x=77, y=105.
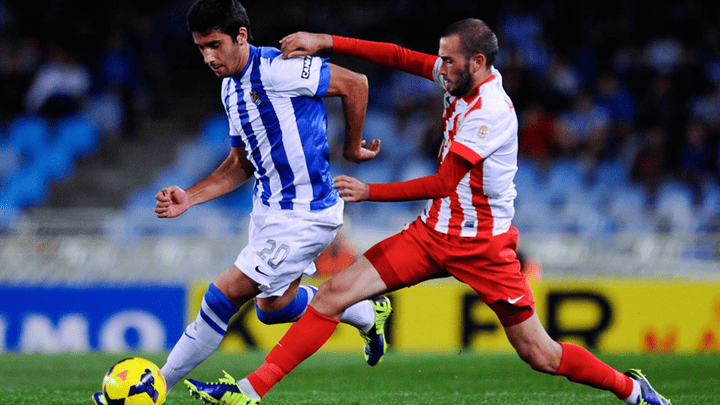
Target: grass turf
x=464, y=378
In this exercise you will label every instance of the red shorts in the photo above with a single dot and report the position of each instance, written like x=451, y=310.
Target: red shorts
x=488, y=264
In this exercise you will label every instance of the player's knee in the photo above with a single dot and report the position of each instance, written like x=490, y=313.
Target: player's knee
x=328, y=299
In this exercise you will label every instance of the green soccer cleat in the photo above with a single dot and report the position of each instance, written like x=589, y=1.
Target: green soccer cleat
x=648, y=395
x=223, y=392
x=375, y=342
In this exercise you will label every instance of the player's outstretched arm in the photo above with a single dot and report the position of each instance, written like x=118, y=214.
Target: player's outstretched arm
x=353, y=90
x=304, y=43
x=231, y=174
x=382, y=53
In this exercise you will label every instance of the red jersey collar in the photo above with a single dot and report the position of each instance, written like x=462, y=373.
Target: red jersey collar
x=476, y=90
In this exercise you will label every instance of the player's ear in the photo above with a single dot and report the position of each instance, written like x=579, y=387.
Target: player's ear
x=242, y=36
x=477, y=62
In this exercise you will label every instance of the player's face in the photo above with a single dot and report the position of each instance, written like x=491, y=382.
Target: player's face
x=455, y=67
x=223, y=55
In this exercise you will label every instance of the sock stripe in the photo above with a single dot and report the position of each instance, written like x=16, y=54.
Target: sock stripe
x=212, y=323
x=219, y=304
x=289, y=313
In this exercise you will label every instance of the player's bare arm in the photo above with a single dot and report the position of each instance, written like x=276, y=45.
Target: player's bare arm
x=352, y=88
x=351, y=189
x=231, y=174
x=305, y=43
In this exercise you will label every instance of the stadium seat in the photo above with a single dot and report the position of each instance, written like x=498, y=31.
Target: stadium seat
x=566, y=175
x=56, y=162
x=10, y=160
x=527, y=177
x=611, y=173
x=27, y=187
x=418, y=167
x=29, y=134
x=674, y=204
x=628, y=209
x=77, y=135
x=9, y=214
x=708, y=211
x=215, y=130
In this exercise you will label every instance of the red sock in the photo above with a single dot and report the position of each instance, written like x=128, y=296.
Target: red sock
x=303, y=339
x=580, y=366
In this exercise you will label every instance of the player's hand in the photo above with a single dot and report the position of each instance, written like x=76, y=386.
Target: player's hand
x=171, y=202
x=364, y=153
x=351, y=189
x=304, y=43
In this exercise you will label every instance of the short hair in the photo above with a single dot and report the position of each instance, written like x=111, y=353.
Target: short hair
x=475, y=37
x=226, y=16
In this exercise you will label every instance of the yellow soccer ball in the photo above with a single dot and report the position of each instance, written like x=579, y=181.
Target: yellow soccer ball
x=134, y=381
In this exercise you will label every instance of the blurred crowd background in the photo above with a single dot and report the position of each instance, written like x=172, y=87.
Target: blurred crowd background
x=104, y=103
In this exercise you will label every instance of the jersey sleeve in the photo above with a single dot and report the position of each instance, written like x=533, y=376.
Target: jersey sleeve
x=480, y=134
x=389, y=55
x=307, y=76
x=235, y=139
x=439, y=185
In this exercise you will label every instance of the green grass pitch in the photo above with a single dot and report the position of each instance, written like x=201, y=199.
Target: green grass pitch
x=463, y=378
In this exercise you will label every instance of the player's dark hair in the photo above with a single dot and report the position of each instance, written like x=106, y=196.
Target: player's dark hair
x=476, y=37
x=226, y=16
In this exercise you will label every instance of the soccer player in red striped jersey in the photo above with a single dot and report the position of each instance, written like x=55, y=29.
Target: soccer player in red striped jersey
x=465, y=231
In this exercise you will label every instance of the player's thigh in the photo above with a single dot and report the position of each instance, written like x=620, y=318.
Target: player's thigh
x=406, y=258
x=489, y=265
x=281, y=250
x=236, y=286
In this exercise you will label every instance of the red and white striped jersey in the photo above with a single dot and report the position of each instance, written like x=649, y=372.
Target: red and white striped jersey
x=482, y=128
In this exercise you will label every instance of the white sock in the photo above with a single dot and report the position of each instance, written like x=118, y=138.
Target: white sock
x=360, y=315
x=634, y=398
x=195, y=345
x=201, y=338
x=248, y=389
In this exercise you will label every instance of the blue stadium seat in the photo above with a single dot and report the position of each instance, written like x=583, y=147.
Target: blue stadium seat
x=27, y=187
x=56, y=162
x=78, y=135
x=10, y=160
x=29, y=134
x=628, y=209
x=215, y=130
x=566, y=175
x=674, y=207
x=708, y=211
x=612, y=174
x=9, y=215
x=527, y=177
x=416, y=168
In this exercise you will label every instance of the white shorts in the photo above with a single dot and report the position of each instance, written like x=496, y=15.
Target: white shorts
x=283, y=244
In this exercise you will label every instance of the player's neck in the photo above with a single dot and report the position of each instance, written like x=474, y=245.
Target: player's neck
x=244, y=57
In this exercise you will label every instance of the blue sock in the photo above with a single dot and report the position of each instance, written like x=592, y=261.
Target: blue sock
x=292, y=311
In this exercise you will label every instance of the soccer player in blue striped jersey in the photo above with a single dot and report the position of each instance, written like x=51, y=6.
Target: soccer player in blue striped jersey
x=278, y=132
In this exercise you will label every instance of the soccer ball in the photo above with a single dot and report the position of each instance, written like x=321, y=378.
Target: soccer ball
x=134, y=381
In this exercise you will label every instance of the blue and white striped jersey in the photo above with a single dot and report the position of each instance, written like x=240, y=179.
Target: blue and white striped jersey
x=277, y=114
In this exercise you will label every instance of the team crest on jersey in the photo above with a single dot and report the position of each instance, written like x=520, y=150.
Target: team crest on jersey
x=482, y=132
x=255, y=97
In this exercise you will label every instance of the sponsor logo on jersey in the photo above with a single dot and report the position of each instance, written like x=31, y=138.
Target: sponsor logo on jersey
x=307, y=62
